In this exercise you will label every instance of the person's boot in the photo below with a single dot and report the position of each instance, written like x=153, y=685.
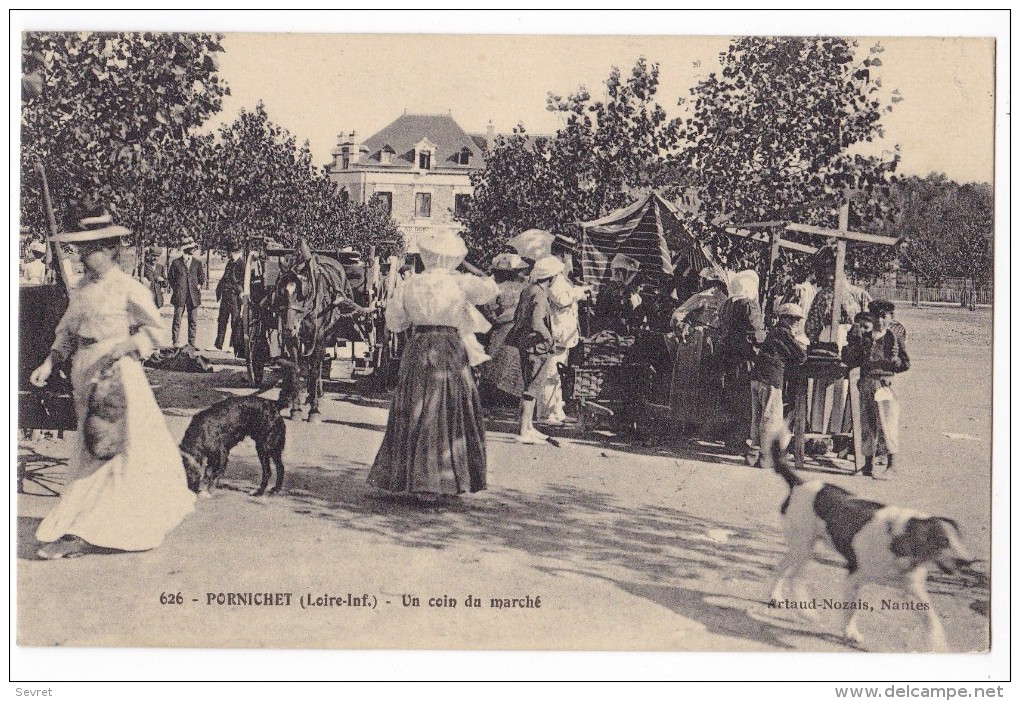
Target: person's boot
x=888, y=472
x=869, y=467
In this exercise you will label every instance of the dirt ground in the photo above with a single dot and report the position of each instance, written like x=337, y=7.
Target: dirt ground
x=609, y=546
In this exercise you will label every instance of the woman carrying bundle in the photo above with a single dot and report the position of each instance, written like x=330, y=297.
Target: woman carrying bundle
x=128, y=487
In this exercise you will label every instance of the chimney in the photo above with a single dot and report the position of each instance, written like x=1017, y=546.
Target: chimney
x=338, y=149
x=355, y=148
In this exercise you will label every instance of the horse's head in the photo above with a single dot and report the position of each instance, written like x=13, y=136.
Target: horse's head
x=295, y=300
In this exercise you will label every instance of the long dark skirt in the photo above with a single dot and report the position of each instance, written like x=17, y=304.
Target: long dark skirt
x=435, y=438
x=504, y=370
x=695, y=389
x=731, y=420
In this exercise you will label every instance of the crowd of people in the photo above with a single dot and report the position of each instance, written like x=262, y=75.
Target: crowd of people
x=470, y=340
x=727, y=375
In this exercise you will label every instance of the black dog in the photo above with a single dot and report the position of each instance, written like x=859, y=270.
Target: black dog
x=215, y=431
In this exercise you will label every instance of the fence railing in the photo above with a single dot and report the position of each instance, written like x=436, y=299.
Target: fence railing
x=930, y=295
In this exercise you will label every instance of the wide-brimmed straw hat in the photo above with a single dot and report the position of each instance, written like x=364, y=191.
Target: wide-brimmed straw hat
x=37, y=247
x=508, y=261
x=187, y=243
x=93, y=229
x=443, y=243
x=547, y=267
x=533, y=243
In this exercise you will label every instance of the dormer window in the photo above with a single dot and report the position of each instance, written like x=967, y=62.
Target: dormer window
x=345, y=161
x=424, y=154
x=464, y=157
x=386, y=155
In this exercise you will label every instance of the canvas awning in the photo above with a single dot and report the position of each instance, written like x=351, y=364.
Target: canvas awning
x=649, y=231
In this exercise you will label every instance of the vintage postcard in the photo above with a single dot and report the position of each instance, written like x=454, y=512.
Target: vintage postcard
x=505, y=342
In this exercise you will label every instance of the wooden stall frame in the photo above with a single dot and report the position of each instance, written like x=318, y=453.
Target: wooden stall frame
x=841, y=235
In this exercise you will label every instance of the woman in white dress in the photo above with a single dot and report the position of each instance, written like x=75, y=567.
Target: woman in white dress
x=128, y=487
x=435, y=438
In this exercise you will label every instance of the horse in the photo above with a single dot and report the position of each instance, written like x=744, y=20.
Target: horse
x=316, y=306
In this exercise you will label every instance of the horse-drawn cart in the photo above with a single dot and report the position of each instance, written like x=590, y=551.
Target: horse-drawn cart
x=319, y=310
x=355, y=352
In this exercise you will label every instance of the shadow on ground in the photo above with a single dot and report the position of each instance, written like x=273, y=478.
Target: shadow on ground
x=179, y=393
x=27, y=544
x=657, y=553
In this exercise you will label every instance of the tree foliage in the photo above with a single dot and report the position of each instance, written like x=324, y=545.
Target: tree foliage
x=115, y=120
x=262, y=183
x=100, y=110
x=946, y=229
x=777, y=135
x=604, y=152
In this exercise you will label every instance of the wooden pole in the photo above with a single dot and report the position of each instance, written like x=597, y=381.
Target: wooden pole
x=775, y=239
x=52, y=249
x=839, y=282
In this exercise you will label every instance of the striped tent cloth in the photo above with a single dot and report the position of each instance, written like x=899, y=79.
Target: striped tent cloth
x=648, y=231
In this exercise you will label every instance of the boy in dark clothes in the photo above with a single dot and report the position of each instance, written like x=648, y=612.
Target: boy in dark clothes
x=880, y=354
x=781, y=348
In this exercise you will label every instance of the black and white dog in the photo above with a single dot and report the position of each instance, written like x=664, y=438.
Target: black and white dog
x=882, y=544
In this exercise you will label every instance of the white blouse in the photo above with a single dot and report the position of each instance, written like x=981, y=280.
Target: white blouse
x=112, y=306
x=563, y=299
x=438, y=298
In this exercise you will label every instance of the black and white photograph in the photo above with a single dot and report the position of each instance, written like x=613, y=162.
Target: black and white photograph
x=673, y=340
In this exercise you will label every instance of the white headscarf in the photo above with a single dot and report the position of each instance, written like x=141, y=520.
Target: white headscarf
x=744, y=284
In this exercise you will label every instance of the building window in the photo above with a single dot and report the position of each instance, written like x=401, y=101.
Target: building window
x=422, y=204
x=460, y=204
x=464, y=158
x=424, y=160
x=387, y=200
x=345, y=162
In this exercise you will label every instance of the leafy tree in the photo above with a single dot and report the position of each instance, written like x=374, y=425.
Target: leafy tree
x=99, y=111
x=604, y=152
x=262, y=183
x=776, y=135
x=946, y=229
x=517, y=190
x=255, y=184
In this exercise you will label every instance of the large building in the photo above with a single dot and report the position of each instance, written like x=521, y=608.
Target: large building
x=420, y=165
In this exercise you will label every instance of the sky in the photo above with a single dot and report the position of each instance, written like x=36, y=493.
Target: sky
x=318, y=85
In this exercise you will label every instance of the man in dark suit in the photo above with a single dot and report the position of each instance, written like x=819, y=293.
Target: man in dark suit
x=228, y=292
x=155, y=273
x=186, y=277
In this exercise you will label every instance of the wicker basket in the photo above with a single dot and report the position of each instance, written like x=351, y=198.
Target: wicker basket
x=606, y=350
x=588, y=382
